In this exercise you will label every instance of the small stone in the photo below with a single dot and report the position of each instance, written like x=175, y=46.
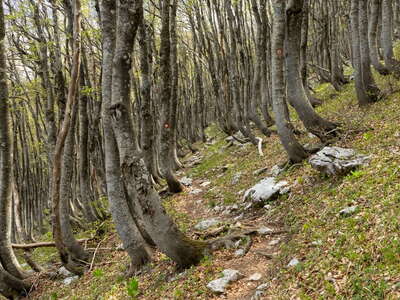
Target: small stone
x=206, y=183
x=186, y=181
x=236, y=178
x=257, y=295
x=205, y=224
x=239, y=252
x=293, y=262
x=232, y=275
x=218, y=285
x=69, y=280
x=264, y=230
x=267, y=206
x=317, y=243
x=312, y=136
x=348, y=211
x=275, y=170
x=274, y=242
x=64, y=272
x=263, y=287
x=255, y=277
x=195, y=192
x=217, y=208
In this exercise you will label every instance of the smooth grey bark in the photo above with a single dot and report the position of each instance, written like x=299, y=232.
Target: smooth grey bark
x=294, y=149
x=362, y=96
x=167, y=124
x=368, y=80
x=387, y=37
x=74, y=249
x=297, y=97
x=148, y=130
x=144, y=200
x=11, y=274
x=7, y=257
x=127, y=229
x=373, y=38
x=84, y=168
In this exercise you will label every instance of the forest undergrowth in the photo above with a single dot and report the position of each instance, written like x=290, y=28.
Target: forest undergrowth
x=353, y=257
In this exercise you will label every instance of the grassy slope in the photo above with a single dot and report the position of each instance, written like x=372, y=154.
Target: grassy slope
x=357, y=257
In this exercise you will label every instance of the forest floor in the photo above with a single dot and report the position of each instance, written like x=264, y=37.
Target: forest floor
x=354, y=257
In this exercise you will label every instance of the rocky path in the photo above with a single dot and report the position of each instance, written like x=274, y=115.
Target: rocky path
x=249, y=258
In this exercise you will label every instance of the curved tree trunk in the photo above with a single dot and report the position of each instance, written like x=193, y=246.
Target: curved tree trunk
x=127, y=229
x=11, y=274
x=84, y=168
x=362, y=96
x=58, y=212
x=167, y=126
x=373, y=39
x=368, y=80
x=295, y=151
x=387, y=37
x=296, y=93
x=74, y=249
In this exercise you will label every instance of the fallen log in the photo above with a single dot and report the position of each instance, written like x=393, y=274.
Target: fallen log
x=40, y=245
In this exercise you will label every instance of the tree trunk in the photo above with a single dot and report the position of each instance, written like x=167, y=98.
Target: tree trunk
x=296, y=93
x=368, y=80
x=295, y=151
x=167, y=126
x=362, y=95
x=11, y=274
x=387, y=37
x=116, y=87
x=373, y=38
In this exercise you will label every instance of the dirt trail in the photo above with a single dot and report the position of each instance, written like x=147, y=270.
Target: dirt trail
x=260, y=255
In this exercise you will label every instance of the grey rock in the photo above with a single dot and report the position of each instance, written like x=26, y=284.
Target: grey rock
x=186, y=181
x=257, y=295
x=232, y=275
x=64, y=272
x=267, y=206
x=255, y=277
x=263, y=287
x=317, y=243
x=275, y=170
x=274, y=242
x=312, y=136
x=265, y=190
x=195, y=192
x=218, y=285
x=348, y=211
x=264, y=230
x=337, y=161
x=239, y=252
x=236, y=178
x=69, y=280
x=293, y=262
x=205, y=224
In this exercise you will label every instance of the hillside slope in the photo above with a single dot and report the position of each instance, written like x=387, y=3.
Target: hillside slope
x=355, y=257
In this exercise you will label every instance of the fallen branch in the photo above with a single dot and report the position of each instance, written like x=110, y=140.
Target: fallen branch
x=40, y=245
x=260, y=146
